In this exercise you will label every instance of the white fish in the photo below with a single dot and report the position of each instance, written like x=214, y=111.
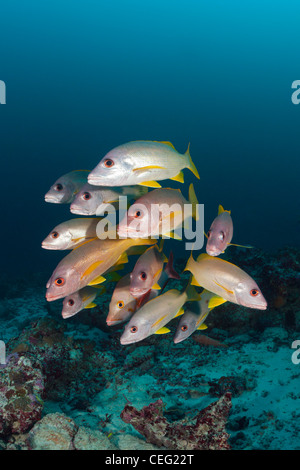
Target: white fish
x=141, y=162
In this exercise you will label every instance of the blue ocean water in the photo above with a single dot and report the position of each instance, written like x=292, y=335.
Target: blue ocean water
x=84, y=77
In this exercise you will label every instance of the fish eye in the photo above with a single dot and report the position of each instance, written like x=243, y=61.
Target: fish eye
x=59, y=281
x=222, y=236
x=71, y=302
x=208, y=234
x=58, y=187
x=120, y=304
x=133, y=329
x=138, y=213
x=184, y=328
x=86, y=196
x=54, y=234
x=143, y=276
x=254, y=292
x=108, y=163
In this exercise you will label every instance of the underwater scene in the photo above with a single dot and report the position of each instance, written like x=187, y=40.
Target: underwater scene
x=150, y=281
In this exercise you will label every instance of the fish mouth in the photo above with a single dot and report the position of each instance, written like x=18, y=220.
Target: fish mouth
x=51, y=298
x=78, y=210
x=137, y=292
x=52, y=199
x=113, y=322
x=213, y=253
x=258, y=307
x=178, y=340
x=125, y=341
x=67, y=315
x=48, y=247
x=95, y=180
x=128, y=232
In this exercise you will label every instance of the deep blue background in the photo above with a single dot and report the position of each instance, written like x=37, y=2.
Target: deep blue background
x=83, y=77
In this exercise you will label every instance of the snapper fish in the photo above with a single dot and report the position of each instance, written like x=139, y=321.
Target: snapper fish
x=226, y=280
x=70, y=234
x=64, y=189
x=123, y=304
x=84, y=298
x=148, y=270
x=152, y=317
x=86, y=265
x=142, y=162
x=195, y=315
x=160, y=212
x=220, y=234
x=91, y=200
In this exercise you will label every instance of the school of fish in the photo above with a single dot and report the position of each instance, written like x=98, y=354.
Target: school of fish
x=100, y=246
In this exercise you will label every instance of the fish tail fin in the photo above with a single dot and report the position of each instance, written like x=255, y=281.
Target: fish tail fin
x=192, y=294
x=169, y=269
x=194, y=201
x=190, y=164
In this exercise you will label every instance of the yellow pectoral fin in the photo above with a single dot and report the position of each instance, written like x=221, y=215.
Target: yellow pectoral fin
x=97, y=280
x=202, y=327
x=162, y=331
x=91, y=268
x=91, y=305
x=225, y=288
x=150, y=167
x=179, y=177
x=84, y=242
x=150, y=184
x=156, y=286
x=180, y=312
x=215, y=302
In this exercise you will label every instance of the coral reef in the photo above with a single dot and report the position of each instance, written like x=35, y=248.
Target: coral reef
x=75, y=378
x=208, y=433
x=21, y=390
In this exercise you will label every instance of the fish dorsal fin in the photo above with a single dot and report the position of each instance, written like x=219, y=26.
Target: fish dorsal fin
x=215, y=302
x=166, y=142
x=221, y=209
x=162, y=331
